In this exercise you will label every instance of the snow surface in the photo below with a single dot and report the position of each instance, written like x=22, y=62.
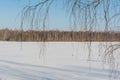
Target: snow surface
x=55, y=61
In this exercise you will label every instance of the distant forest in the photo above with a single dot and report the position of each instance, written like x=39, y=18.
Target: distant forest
x=82, y=36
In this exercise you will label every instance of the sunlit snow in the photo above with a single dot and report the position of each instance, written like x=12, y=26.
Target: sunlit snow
x=55, y=61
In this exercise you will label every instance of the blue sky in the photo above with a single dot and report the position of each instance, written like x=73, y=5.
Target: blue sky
x=9, y=12
x=59, y=19
x=10, y=15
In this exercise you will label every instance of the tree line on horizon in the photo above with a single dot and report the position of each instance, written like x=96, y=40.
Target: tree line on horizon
x=31, y=35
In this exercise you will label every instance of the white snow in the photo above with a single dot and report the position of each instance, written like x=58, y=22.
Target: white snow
x=55, y=61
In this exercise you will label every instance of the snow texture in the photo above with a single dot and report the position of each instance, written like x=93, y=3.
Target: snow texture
x=55, y=61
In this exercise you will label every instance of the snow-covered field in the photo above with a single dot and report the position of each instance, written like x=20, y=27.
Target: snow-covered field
x=55, y=61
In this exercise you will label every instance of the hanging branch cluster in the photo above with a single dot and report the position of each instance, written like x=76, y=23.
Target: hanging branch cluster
x=80, y=11
x=85, y=14
x=35, y=16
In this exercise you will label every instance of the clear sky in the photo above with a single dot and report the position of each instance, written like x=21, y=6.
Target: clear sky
x=10, y=15
x=9, y=12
